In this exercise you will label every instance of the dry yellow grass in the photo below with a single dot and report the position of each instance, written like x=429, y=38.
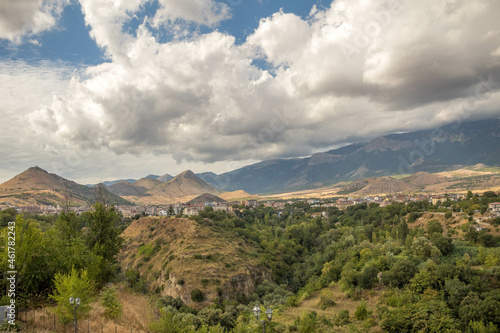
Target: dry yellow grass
x=136, y=316
x=238, y=196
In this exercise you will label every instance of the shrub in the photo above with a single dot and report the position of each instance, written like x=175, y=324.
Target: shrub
x=109, y=300
x=76, y=284
x=197, y=295
x=342, y=318
x=361, y=312
x=326, y=299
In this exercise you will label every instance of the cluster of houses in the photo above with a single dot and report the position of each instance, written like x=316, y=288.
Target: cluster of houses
x=192, y=208
x=188, y=209
x=494, y=208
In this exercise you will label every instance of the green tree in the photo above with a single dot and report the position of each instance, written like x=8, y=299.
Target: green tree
x=434, y=226
x=110, y=302
x=76, y=284
x=68, y=226
x=423, y=249
x=33, y=256
x=103, y=238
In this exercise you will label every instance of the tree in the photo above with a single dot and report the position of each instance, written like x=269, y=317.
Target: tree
x=103, y=238
x=6, y=216
x=368, y=276
x=33, y=262
x=75, y=284
x=434, y=226
x=110, y=302
x=424, y=249
x=400, y=274
x=444, y=244
x=170, y=210
x=68, y=226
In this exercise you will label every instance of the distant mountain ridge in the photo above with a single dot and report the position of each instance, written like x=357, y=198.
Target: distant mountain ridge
x=182, y=188
x=41, y=187
x=436, y=150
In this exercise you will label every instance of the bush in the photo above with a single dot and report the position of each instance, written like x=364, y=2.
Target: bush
x=307, y=323
x=197, y=295
x=361, y=312
x=342, y=318
x=326, y=299
x=112, y=307
x=434, y=226
x=77, y=285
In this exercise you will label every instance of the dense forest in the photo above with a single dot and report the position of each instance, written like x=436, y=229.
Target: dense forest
x=423, y=274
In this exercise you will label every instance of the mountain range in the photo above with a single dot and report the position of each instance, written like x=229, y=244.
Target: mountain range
x=184, y=187
x=446, y=148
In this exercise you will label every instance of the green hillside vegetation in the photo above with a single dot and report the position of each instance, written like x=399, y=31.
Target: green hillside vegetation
x=401, y=268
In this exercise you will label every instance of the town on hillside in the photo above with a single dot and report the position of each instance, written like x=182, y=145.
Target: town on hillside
x=320, y=206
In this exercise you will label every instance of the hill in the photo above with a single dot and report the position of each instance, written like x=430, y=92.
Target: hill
x=182, y=255
x=36, y=186
x=112, y=182
x=421, y=179
x=165, y=178
x=446, y=148
x=147, y=183
x=181, y=188
x=127, y=189
x=370, y=186
x=205, y=197
x=134, y=189
x=238, y=195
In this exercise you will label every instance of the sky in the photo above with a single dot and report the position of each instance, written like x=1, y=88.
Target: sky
x=99, y=90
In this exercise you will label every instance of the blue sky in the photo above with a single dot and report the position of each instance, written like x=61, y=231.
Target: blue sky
x=98, y=90
x=70, y=40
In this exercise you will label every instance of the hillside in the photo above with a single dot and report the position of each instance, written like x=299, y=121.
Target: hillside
x=238, y=195
x=370, y=186
x=179, y=255
x=206, y=197
x=165, y=178
x=127, y=189
x=37, y=186
x=421, y=179
x=181, y=188
x=147, y=183
x=468, y=144
x=134, y=189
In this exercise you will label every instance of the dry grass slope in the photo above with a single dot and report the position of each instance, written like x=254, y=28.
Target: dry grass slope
x=186, y=256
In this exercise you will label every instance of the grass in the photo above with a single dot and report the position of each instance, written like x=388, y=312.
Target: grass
x=136, y=316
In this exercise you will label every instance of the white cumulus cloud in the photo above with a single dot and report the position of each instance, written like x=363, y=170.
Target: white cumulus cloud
x=24, y=17
x=353, y=71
